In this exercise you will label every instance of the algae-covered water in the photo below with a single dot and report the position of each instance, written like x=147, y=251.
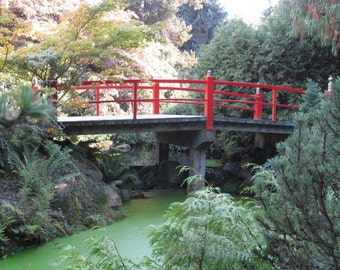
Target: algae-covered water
x=127, y=233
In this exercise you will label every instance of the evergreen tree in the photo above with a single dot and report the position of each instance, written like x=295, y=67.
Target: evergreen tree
x=312, y=98
x=231, y=54
x=202, y=21
x=287, y=60
x=299, y=192
x=319, y=19
x=156, y=11
x=268, y=54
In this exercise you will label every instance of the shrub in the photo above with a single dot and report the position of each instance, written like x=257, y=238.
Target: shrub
x=209, y=230
x=299, y=192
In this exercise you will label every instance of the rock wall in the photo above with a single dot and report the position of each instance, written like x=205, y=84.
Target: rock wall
x=237, y=173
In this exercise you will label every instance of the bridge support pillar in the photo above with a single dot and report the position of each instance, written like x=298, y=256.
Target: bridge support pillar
x=197, y=141
x=197, y=162
x=162, y=152
x=262, y=140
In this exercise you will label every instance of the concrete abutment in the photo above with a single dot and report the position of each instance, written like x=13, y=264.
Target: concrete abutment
x=197, y=141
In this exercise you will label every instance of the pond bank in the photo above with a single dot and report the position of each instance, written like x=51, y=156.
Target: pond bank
x=127, y=233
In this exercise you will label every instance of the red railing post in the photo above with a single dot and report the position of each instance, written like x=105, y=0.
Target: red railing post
x=330, y=85
x=97, y=100
x=53, y=83
x=258, y=107
x=36, y=89
x=274, y=102
x=156, y=98
x=135, y=96
x=209, y=101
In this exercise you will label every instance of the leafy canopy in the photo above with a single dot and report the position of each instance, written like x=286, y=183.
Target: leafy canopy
x=11, y=28
x=84, y=41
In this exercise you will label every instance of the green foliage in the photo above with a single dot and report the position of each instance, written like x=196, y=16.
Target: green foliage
x=287, y=60
x=20, y=112
x=312, y=97
x=22, y=143
x=299, y=192
x=43, y=170
x=319, y=19
x=3, y=238
x=156, y=11
x=134, y=138
x=208, y=18
x=103, y=255
x=213, y=163
x=38, y=178
x=152, y=11
x=268, y=55
x=224, y=142
x=232, y=53
x=15, y=138
x=30, y=104
x=83, y=41
x=11, y=29
x=115, y=170
x=209, y=230
x=21, y=106
x=181, y=109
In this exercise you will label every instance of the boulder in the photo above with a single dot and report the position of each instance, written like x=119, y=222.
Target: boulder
x=169, y=174
x=231, y=169
x=231, y=185
x=86, y=193
x=125, y=195
x=149, y=176
x=214, y=177
x=236, y=154
x=114, y=199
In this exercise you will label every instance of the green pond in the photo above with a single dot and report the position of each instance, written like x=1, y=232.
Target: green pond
x=127, y=233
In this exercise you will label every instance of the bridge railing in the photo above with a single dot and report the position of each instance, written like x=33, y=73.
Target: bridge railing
x=214, y=98
x=209, y=98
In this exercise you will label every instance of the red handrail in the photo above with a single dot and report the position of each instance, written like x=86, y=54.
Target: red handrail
x=210, y=101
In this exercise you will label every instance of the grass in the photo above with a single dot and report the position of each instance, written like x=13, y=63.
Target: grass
x=213, y=163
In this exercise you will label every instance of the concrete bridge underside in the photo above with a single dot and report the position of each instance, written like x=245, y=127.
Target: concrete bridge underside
x=183, y=130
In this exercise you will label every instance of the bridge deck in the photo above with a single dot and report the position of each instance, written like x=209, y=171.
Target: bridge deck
x=82, y=125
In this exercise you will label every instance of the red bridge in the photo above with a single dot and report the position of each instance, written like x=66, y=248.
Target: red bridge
x=153, y=94
x=146, y=101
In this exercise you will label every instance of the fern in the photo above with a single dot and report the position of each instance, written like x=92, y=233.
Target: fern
x=38, y=177
x=3, y=238
x=114, y=169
